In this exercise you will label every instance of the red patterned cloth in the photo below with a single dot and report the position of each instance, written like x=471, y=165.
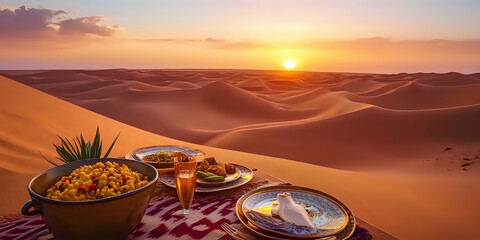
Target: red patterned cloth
x=163, y=219
x=27, y=228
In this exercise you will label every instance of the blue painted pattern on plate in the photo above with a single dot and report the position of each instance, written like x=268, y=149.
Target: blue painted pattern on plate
x=325, y=214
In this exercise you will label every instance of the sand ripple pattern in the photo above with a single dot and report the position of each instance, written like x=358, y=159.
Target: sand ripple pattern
x=320, y=118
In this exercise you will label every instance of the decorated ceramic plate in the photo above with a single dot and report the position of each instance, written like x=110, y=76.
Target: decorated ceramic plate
x=330, y=216
x=245, y=175
x=229, y=178
x=139, y=154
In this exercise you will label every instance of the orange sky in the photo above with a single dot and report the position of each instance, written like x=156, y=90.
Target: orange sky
x=70, y=36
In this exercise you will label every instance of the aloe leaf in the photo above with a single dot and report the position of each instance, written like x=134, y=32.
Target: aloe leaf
x=97, y=145
x=111, y=146
x=82, y=147
x=78, y=148
x=76, y=151
x=73, y=150
x=63, y=153
x=47, y=159
x=63, y=160
x=64, y=144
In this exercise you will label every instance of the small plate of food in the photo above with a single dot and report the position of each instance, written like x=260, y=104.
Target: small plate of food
x=161, y=156
x=229, y=181
x=211, y=172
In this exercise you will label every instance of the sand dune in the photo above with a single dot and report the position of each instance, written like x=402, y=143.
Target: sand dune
x=448, y=79
x=305, y=116
x=400, y=176
x=365, y=139
x=416, y=96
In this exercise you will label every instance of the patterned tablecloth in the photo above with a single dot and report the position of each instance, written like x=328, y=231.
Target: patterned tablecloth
x=164, y=219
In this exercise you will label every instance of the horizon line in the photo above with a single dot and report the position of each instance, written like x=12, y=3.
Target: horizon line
x=230, y=69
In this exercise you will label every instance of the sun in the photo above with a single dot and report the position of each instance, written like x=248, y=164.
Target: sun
x=289, y=64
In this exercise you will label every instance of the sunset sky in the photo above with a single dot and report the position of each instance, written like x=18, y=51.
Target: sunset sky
x=385, y=36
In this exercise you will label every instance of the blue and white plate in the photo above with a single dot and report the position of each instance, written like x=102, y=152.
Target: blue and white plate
x=327, y=214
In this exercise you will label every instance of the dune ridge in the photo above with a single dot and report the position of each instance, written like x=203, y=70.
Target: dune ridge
x=304, y=116
x=406, y=204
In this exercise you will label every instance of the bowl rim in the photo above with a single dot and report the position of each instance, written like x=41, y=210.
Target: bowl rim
x=35, y=195
x=131, y=153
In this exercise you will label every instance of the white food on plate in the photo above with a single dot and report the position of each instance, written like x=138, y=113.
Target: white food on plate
x=291, y=212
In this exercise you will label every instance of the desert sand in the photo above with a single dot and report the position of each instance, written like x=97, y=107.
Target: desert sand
x=401, y=150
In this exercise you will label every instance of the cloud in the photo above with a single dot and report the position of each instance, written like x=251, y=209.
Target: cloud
x=26, y=22
x=30, y=34
x=373, y=45
x=381, y=45
x=208, y=42
x=224, y=44
x=32, y=27
x=86, y=25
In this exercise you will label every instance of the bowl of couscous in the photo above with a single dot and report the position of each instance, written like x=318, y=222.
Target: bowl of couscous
x=92, y=199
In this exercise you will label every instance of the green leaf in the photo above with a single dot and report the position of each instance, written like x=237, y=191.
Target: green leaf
x=79, y=148
x=111, y=146
x=96, y=146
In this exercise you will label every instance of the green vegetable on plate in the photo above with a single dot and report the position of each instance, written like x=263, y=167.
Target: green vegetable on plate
x=201, y=174
x=210, y=177
x=215, y=178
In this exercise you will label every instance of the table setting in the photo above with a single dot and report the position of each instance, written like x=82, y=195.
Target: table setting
x=179, y=193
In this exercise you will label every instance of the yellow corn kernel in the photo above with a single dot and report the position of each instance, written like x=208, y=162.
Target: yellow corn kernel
x=102, y=183
x=89, y=182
